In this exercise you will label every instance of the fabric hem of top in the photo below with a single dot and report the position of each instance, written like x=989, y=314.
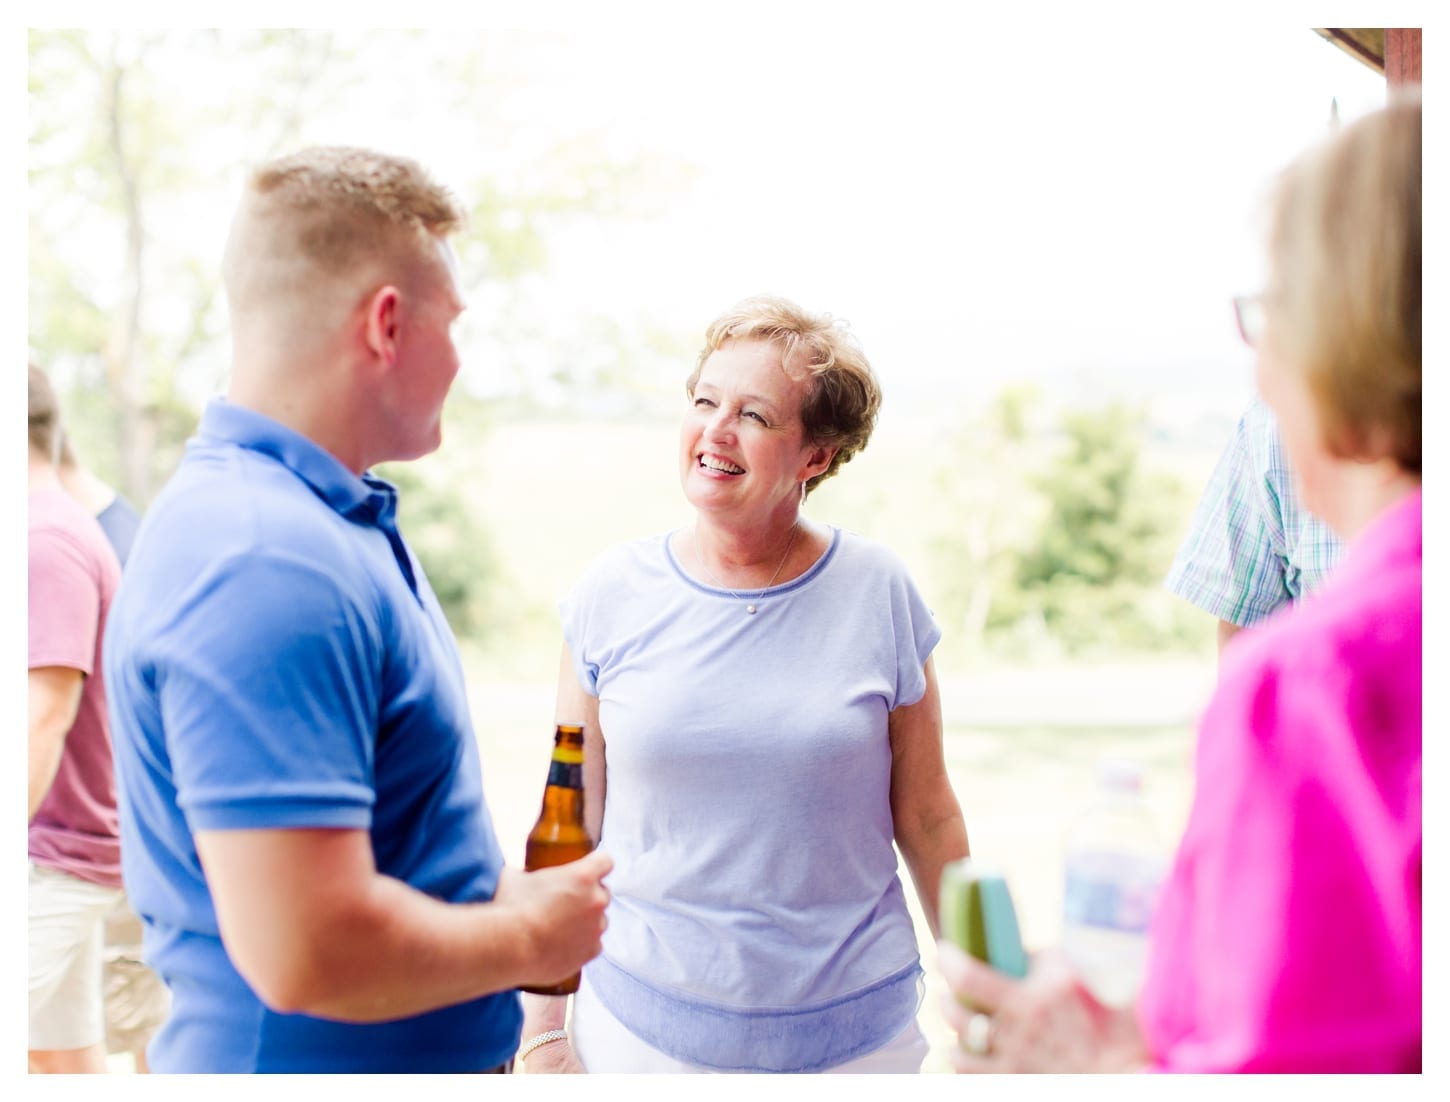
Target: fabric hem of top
x=774, y=1040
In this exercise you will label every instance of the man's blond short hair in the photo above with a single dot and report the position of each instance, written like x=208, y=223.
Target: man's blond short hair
x=841, y=408
x=1344, y=297
x=329, y=214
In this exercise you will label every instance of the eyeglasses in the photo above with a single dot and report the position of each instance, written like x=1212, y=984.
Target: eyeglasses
x=1249, y=313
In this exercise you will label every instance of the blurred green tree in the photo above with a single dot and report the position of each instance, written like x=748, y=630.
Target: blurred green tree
x=451, y=541
x=986, y=495
x=1104, y=541
x=1105, y=519
x=1054, y=534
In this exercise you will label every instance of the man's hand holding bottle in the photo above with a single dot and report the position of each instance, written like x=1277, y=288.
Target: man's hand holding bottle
x=561, y=913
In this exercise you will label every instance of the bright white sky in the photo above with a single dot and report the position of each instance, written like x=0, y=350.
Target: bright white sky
x=1032, y=197
x=983, y=202
x=927, y=179
x=979, y=208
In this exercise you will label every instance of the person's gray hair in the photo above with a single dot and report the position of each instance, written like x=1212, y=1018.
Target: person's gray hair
x=1343, y=303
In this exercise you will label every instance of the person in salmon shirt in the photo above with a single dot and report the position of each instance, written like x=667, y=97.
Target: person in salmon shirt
x=73, y=838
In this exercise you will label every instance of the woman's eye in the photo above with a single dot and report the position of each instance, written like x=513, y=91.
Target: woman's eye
x=703, y=402
x=752, y=413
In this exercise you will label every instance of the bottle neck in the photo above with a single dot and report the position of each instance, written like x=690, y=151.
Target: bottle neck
x=564, y=788
x=563, y=804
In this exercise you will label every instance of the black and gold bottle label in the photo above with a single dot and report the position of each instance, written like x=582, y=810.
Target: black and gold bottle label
x=566, y=774
x=566, y=769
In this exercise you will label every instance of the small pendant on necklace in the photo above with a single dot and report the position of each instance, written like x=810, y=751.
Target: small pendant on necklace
x=750, y=609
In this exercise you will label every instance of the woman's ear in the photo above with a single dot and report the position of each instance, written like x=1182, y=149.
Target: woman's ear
x=817, y=460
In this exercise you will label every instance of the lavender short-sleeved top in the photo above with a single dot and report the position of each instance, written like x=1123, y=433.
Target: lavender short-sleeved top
x=757, y=921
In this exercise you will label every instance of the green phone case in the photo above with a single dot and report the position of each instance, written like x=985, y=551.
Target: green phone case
x=977, y=914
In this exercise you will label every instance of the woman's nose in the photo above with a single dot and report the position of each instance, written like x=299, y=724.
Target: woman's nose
x=719, y=422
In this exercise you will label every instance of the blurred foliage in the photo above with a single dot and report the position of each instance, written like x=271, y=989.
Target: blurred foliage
x=986, y=514
x=1062, y=548
x=1108, y=517
x=454, y=546
x=123, y=289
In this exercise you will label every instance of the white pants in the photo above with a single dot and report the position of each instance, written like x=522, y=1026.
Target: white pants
x=67, y=921
x=604, y=1044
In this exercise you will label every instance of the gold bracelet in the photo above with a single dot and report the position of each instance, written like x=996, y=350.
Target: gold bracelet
x=539, y=1041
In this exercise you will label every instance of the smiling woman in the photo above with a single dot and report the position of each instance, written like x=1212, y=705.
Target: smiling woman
x=759, y=923
x=745, y=454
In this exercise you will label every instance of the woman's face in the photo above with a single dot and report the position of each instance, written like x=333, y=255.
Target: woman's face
x=1285, y=389
x=743, y=450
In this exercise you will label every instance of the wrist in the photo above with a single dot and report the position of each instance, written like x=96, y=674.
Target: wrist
x=510, y=925
x=540, y=1040
x=1120, y=1044
x=529, y=928
x=543, y=1012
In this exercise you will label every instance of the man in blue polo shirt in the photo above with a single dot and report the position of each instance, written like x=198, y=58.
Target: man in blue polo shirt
x=302, y=817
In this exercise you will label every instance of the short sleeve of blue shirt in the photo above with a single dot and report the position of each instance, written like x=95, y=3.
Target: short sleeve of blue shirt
x=305, y=700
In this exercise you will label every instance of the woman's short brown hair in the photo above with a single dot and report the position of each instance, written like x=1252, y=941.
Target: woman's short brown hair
x=840, y=410
x=1344, y=295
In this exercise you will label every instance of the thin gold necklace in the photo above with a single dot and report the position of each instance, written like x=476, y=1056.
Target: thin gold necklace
x=750, y=607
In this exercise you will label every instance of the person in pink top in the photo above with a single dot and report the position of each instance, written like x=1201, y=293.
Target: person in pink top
x=1287, y=937
x=74, y=840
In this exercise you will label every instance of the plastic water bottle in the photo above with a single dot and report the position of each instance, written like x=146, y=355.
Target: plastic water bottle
x=1114, y=864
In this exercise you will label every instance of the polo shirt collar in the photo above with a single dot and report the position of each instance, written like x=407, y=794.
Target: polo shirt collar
x=367, y=498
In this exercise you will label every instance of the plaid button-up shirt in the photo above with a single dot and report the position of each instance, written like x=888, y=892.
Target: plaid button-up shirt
x=1252, y=547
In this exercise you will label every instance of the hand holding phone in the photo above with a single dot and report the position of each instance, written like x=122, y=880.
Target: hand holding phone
x=977, y=915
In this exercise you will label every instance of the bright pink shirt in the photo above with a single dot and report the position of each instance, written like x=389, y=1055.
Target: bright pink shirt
x=73, y=575
x=1288, y=934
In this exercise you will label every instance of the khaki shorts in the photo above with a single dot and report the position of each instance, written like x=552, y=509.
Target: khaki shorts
x=137, y=1002
x=67, y=919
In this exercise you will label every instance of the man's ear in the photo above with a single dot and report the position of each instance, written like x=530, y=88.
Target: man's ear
x=380, y=324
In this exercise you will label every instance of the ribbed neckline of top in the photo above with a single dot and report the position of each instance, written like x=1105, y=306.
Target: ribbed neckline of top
x=754, y=594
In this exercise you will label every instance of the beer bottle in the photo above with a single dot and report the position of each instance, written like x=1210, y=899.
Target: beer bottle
x=560, y=835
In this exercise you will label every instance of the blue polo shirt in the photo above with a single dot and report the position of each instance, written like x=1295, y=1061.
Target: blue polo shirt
x=276, y=659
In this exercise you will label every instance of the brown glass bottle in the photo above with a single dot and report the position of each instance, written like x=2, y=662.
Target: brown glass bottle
x=560, y=835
